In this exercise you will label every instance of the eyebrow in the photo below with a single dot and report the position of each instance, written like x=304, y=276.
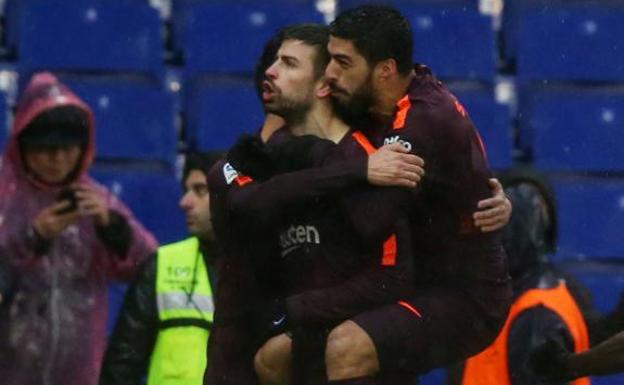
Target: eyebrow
x=291, y=58
x=340, y=56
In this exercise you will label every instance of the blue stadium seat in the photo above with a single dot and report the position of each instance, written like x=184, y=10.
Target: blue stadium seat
x=575, y=129
x=578, y=41
x=89, y=35
x=451, y=37
x=344, y=5
x=492, y=119
x=513, y=12
x=605, y=282
x=134, y=120
x=591, y=217
x=228, y=37
x=152, y=195
x=219, y=111
x=616, y=379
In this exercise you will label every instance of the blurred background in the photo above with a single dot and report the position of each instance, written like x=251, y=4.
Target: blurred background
x=542, y=79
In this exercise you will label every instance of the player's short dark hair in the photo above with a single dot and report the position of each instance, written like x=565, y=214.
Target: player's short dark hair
x=201, y=161
x=314, y=35
x=378, y=33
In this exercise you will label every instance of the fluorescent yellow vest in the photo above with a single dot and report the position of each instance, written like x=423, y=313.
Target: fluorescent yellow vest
x=185, y=311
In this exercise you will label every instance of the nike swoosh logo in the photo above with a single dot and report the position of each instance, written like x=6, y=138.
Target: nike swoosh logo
x=290, y=249
x=279, y=321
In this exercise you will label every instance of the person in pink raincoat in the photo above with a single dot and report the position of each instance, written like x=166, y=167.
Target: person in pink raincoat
x=64, y=236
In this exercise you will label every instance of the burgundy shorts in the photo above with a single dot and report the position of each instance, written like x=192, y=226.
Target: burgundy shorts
x=434, y=328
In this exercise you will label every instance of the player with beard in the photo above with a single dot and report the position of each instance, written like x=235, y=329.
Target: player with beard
x=463, y=291
x=299, y=94
x=245, y=214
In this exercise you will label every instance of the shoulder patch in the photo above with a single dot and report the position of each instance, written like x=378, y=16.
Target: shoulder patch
x=229, y=173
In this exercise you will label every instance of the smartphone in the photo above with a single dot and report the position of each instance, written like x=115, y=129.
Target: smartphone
x=68, y=194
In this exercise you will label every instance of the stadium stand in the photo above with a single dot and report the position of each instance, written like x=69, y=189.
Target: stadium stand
x=232, y=33
x=135, y=120
x=451, y=37
x=591, y=216
x=573, y=41
x=217, y=112
x=87, y=35
x=571, y=128
x=152, y=195
x=493, y=120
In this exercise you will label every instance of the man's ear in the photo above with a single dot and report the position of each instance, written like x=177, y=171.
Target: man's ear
x=323, y=90
x=385, y=69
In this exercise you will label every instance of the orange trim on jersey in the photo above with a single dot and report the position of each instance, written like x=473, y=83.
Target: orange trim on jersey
x=410, y=308
x=403, y=105
x=460, y=108
x=243, y=180
x=364, y=142
x=389, y=251
x=491, y=366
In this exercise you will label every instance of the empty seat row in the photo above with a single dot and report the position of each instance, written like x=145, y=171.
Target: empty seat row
x=566, y=40
x=555, y=40
x=571, y=129
x=591, y=217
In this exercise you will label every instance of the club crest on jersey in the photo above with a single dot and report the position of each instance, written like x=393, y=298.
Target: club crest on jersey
x=397, y=139
x=229, y=173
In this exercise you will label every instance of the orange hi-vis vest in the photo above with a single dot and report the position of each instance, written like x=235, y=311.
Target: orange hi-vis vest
x=491, y=366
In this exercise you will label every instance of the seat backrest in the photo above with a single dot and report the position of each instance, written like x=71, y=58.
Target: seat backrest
x=217, y=112
x=228, y=37
x=574, y=128
x=152, y=195
x=591, y=217
x=135, y=120
x=89, y=35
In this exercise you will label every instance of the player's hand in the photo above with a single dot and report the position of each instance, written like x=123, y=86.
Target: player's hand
x=393, y=165
x=494, y=213
x=93, y=203
x=250, y=156
x=549, y=362
x=50, y=222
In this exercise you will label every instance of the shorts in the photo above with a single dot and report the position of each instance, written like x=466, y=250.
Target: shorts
x=434, y=328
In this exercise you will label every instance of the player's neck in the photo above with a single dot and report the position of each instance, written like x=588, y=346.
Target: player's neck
x=390, y=93
x=322, y=122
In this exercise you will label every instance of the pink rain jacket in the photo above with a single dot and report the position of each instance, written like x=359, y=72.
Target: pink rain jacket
x=54, y=330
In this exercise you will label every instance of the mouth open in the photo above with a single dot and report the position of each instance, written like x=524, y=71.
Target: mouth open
x=268, y=91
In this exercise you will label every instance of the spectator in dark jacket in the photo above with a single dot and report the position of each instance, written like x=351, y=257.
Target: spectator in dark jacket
x=547, y=304
x=167, y=314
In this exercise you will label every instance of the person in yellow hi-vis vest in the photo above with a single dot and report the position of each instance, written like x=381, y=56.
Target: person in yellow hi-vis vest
x=165, y=321
x=546, y=305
